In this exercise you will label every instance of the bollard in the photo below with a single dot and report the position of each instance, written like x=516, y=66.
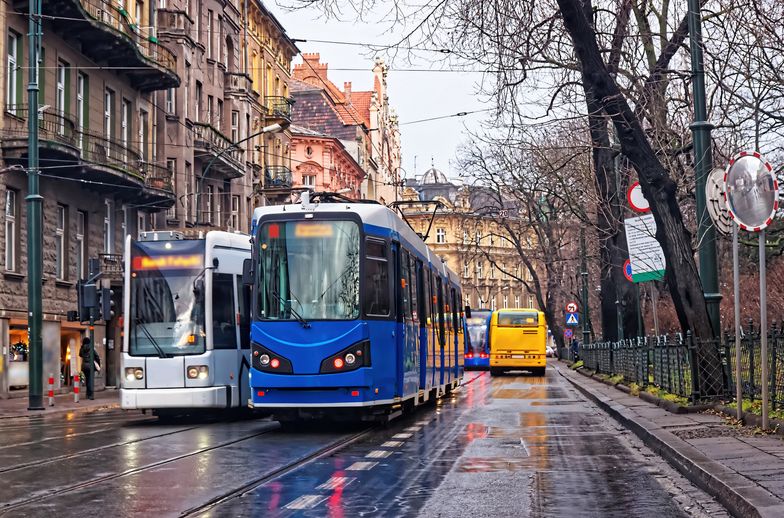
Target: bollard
x=76, y=388
x=51, y=389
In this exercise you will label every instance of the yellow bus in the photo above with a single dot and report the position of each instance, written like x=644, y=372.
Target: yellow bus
x=518, y=340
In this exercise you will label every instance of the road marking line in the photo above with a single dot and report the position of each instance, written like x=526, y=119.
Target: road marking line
x=402, y=435
x=336, y=482
x=305, y=502
x=392, y=444
x=361, y=466
x=423, y=423
x=379, y=454
x=413, y=428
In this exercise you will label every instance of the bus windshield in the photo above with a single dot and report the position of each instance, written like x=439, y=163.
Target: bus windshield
x=167, y=298
x=308, y=270
x=518, y=319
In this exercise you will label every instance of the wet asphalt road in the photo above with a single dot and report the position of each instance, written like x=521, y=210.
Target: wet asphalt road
x=511, y=446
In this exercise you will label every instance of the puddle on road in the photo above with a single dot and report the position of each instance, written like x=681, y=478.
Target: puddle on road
x=530, y=393
x=493, y=464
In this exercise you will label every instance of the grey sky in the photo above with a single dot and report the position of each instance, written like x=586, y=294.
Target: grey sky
x=415, y=95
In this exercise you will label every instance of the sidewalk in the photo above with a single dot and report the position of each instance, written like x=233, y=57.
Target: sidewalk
x=743, y=471
x=64, y=403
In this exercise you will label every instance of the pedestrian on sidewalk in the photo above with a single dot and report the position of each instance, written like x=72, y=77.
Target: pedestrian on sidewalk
x=89, y=368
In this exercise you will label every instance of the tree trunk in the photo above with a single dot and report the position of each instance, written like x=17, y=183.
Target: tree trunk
x=657, y=186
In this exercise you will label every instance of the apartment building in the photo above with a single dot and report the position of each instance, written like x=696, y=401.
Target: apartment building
x=234, y=83
x=102, y=173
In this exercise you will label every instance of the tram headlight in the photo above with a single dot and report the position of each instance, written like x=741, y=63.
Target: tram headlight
x=264, y=359
x=198, y=372
x=134, y=373
x=350, y=359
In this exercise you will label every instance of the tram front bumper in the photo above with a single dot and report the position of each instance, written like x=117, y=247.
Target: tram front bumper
x=202, y=397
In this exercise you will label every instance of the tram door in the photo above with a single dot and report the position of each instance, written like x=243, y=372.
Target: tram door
x=410, y=328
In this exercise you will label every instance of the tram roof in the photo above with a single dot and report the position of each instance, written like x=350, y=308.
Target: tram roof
x=370, y=214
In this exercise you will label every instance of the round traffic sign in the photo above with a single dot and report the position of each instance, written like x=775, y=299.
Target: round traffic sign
x=716, y=203
x=571, y=307
x=568, y=333
x=751, y=191
x=627, y=270
x=636, y=198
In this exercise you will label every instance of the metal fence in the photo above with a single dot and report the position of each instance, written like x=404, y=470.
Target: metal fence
x=691, y=368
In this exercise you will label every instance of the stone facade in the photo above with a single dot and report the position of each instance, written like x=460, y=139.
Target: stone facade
x=324, y=164
x=470, y=244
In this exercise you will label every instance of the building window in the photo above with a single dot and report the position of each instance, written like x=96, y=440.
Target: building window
x=189, y=201
x=12, y=91
x=108, y=119
x=465, y=236
x=219, y=207
x=235, y=126
x=234, y=223
x=144, y=135
x=517, y=301
x=506, y=302
x=81, y=105
x=108, y=227
x=187, y=89
x=125, y=130
x=60, y=98
x=141, y=223
x=478, y=236
x=198, y=101
x=466, y=270
x=210, y=120
x=219, y=116
x=10, y=230
x=440, y=235
x=81, y=244
x=171, y=97
x=209, y=200
x=531, y=301
x=492, y=270
x=59, y=243
x=309, y=181
x=209, y=34
x=171, y=166
x=479, y=268
x=492, y=303
x=504, y=272
x=124, y=227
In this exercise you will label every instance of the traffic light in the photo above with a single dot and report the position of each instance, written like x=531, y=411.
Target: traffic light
x=107, y=303
x=87, y=299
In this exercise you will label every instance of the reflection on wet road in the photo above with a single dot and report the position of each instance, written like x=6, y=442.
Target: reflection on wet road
x=504, y=446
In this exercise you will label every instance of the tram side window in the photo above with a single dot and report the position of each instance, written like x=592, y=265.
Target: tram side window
x=413, y=293
x=244, y=298
x=376, y=286
x=440, y=315
x=455, y=323
x=405, y=285
x=224, y=330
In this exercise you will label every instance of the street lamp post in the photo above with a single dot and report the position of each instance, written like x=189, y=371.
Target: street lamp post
x=34, y=222
x=701, y=131
x=273, y=128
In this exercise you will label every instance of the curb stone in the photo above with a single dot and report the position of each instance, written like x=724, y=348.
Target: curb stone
x=710, y=476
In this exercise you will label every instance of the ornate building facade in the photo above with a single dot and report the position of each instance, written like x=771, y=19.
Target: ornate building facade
x=322, y=163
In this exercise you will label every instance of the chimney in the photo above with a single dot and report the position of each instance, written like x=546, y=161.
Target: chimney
x=347, y=91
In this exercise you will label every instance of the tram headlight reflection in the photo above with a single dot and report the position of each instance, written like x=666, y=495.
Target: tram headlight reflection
x=134, y=373
x=198, y=372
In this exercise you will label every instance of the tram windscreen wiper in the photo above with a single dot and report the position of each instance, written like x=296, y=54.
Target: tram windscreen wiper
x=150, y=338
x=300, y=319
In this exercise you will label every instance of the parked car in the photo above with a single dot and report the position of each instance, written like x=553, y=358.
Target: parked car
x=550, y=352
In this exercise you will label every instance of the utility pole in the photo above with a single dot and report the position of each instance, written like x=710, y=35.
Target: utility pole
x=34, y=219
x=584, y=275
x=703, y=161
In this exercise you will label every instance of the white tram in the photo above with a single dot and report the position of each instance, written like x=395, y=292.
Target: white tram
x=186, y=322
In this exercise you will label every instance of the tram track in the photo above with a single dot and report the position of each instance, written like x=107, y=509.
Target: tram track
x=278, y=472
x=10, y=506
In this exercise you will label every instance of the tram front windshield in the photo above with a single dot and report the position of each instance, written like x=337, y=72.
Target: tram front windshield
x=308, y=270
x=167, y=298
x=477, y=332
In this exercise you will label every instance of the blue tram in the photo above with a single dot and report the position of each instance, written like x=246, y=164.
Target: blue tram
x=353, y=316
x=477, y=346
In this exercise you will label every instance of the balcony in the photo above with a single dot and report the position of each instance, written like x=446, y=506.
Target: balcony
x=174, y=22
x=83, y=155
x=277, y=177
x=112, y=266
x=278, y=109
x=229, y=163
x=237, y=83
x=111, y=39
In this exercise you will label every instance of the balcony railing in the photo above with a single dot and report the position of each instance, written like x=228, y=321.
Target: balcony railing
x=278, y=107
x=100, y=150
x=111, y=265
x=157, y=176
x=277, y=177
x=208, y=138
x=52, y=125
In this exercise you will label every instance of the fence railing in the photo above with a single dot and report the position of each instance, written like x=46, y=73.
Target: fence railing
x=679, y=364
